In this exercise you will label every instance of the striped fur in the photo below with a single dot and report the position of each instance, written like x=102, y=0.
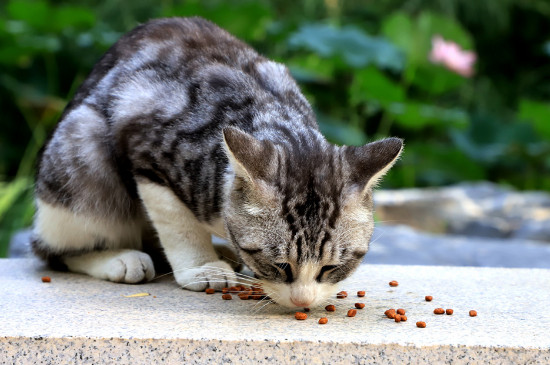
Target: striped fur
x=180, y=110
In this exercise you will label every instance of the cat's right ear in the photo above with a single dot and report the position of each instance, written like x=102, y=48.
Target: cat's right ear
x=250, y=158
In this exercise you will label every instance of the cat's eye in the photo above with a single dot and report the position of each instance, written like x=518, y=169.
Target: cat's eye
x=287, y=269
x=325, y=269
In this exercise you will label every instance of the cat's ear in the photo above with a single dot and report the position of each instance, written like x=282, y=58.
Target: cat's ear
x=250, y=158
x=369, y=163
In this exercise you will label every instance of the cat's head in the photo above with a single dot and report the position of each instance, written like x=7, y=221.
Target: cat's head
x=301, y=215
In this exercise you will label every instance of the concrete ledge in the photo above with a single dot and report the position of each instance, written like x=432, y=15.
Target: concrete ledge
x=78, y=319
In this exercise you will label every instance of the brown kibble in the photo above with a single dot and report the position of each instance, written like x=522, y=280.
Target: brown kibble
x=352, y=312
x=227, y=297
x=359, y=305
x=225, y=290
x=429, y=298
x=342, y=295
x=449, y=311
x=390, y=313
x=397, y=318
x=323, y=320
x=421, y=324
x=300, y=316
x=244, y=296
x=46, y=279
x=210, y=291
x=403, y=318
x=401, y=311
x=234, y=290
x=439, y=311
x=473, y=313
x=394, y=283
x=330, y=308
x=361, y=293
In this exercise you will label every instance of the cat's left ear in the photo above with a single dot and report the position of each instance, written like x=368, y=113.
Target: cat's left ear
x=369, y=163
x=250, y=158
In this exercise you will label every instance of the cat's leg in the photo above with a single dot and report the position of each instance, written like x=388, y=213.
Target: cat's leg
x=186, y=242
x=105, y=249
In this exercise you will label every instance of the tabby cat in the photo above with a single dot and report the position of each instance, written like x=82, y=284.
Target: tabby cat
x=182, y=131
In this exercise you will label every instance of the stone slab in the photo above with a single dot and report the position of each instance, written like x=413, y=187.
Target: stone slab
x=79, y=319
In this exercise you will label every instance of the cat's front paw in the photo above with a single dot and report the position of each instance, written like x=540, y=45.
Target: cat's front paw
x=130, y=267
x=216, y=275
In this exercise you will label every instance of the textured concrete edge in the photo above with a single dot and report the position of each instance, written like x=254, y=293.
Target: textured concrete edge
x=82, y=350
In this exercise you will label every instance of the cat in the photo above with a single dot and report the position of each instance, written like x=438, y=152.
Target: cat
x=182, y=131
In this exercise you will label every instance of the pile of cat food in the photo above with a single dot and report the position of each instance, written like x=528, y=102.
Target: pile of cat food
x=256, y=292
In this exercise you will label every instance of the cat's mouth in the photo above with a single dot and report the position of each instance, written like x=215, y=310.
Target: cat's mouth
x=299, y=295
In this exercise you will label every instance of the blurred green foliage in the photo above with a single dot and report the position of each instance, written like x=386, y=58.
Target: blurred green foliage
x=364, y=67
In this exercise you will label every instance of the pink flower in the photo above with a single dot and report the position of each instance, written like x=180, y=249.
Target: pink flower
x=454, y=58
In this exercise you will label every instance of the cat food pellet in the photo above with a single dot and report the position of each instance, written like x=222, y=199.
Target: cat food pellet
x=300, y=316
x=421, y=324
x=210, y=291
x=401, y=311
x=394, y=283
x=225, y=290
x=330, y=308
x=244, y=296
x=359, y=305
x=352, y=312
x=227, y=297
x=390, y=313
x=439, y=311
x=323, y=320
x=449, y=311
x=403, y=318
x=234, y=290
x=46, y=279
x=397, y=318
x=473, y=313
x=360, y=293
x=429, y=298
x=342, y=295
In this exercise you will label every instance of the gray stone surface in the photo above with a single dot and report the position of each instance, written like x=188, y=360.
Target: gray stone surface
x=470, y=209
x=77, y=319
x=402, y=245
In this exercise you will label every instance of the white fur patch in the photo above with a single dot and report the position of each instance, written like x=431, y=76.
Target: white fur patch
x=61, y=230
x=186, y=242
x=305, y=291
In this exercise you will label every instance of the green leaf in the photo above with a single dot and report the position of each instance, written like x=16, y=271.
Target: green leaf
x=248, y=21
x=372, y=84
x=311, y=67
x=36, y=13
x=337, y=131
x=415, y=115
x=538, y=114
x=73, y=16
x=353, y=46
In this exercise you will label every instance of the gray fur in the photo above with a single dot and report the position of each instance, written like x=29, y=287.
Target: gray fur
x=181, y=103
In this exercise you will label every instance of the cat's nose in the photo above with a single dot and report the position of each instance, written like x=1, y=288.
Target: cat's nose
x=300, y=302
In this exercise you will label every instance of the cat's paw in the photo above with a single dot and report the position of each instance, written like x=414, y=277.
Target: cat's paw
x=130, y=267
x=216, y=275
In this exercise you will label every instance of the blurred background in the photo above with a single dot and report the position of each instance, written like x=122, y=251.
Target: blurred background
x=465, y=83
